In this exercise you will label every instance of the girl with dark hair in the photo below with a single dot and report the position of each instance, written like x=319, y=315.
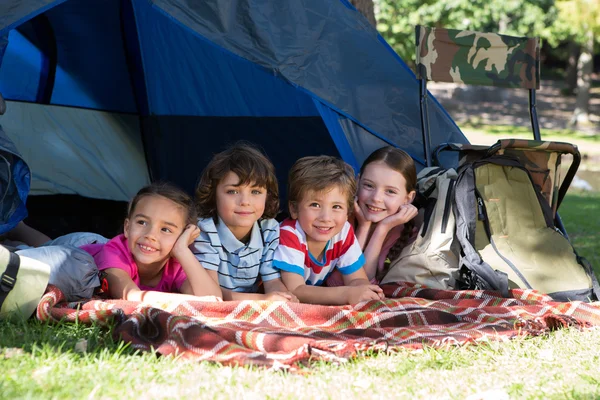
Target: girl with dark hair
x=383, y=209
x=151, y=260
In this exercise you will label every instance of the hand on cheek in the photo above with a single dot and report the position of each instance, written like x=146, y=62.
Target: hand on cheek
x=405, y=213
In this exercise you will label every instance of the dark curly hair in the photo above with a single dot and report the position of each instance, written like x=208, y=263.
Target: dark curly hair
x=170, y=192
x=400, y=161
x=252, y=167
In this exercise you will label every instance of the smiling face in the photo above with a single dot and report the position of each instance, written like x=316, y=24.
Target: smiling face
x=240, y=206
x=152, y=230
x=321, y=215
x=381, y=191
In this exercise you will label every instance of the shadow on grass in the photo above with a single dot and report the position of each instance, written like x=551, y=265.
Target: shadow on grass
x=29, y=336
x=580, y=213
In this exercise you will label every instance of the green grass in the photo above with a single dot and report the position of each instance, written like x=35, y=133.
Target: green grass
x=510, y=131
x=581, y=216
x=561, y=365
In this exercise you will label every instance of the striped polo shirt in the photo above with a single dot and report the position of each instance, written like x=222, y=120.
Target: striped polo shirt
x=342, y=252
x=238, y=265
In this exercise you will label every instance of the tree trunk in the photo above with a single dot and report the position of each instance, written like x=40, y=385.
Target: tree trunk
x=366, y=8
x=585, y=67
x=571, y=72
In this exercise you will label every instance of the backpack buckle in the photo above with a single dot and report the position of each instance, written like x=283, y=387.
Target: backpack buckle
x=7, y=282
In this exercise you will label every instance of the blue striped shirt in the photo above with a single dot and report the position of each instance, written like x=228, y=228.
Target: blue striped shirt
x=238, y=264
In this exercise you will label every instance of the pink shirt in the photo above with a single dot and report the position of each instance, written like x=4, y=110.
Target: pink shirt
x=115, y=254
x=335, y=279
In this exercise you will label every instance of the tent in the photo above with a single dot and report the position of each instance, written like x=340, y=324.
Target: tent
x=104, y=96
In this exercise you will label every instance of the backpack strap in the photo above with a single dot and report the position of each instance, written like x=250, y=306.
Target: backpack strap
x=8, y=280
x=475, y=273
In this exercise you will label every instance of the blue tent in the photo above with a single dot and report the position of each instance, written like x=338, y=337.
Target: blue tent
x=105, y=95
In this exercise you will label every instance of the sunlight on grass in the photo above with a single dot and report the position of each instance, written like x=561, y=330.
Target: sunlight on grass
x=509, y=131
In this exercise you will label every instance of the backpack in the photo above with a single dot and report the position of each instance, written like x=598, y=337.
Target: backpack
x=490, y=224
x=15, y=179
x=432, y=259
x=507, y=234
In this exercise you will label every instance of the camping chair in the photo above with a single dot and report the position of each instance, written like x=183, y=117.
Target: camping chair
x=488, y=59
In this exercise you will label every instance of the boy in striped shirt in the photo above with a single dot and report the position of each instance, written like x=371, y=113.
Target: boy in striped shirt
x=318, y=237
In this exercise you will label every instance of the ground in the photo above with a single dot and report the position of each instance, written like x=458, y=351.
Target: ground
x=478, y=105
x=474, y=106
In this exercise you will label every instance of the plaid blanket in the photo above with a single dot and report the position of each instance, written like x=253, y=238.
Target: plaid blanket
x=285, y=335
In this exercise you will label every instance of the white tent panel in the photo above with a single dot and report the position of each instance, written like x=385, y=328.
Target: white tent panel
x=77, y=151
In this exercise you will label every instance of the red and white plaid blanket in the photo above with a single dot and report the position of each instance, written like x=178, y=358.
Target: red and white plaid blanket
x=284, y=335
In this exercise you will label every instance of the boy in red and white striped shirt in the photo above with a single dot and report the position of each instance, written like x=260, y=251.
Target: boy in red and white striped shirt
x=318, y=238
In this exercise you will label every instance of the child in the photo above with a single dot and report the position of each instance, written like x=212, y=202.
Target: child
x=383, y=209
x=318, y=238
x=151, y=260
x=237, y=199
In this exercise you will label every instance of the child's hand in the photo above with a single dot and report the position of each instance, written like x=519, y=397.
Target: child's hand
x=356, y=294
x=405, y=213
x=281, y=296
x=359, y=214
x=187, y=237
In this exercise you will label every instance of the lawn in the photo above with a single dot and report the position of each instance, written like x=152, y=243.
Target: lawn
x=74, y=361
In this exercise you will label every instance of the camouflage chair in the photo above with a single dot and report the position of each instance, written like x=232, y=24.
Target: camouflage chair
x=489, y=59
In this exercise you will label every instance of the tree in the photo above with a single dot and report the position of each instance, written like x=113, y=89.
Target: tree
x=582, y=17
x=365, y=7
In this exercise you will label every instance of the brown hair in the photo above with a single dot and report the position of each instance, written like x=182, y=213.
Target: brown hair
x=250, y=165
x=319, y=173
x=170, y=192
x=400, y=161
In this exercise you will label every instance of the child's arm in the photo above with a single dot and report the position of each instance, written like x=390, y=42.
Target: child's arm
x=373, y=247
x=230, y=295
x=276, y=287
x=26, y=234
x=199, y=282
x=121, y=286
x=339, y=295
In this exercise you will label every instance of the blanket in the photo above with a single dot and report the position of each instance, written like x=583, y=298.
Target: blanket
x=283, y=335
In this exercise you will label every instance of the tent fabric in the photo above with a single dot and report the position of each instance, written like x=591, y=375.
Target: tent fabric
x=343, y=62
x=216, y=83
x=86, y=76
x=14, y=12
x=151, y=89
x=74, y=151
x=15, y=178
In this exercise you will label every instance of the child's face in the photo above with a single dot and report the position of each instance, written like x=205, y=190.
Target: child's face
x=322, y=216
x=240, y=206
x=381, y=191
x=153, y=229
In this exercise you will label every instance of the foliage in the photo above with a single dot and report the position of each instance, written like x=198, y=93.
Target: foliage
x=579, y=17
x=397, y=19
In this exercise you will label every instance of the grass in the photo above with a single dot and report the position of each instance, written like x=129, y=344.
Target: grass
x=38, y=360
x=566, y=135
x=581, y=216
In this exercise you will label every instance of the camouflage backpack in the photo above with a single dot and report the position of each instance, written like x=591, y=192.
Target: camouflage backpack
x=505, y=203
